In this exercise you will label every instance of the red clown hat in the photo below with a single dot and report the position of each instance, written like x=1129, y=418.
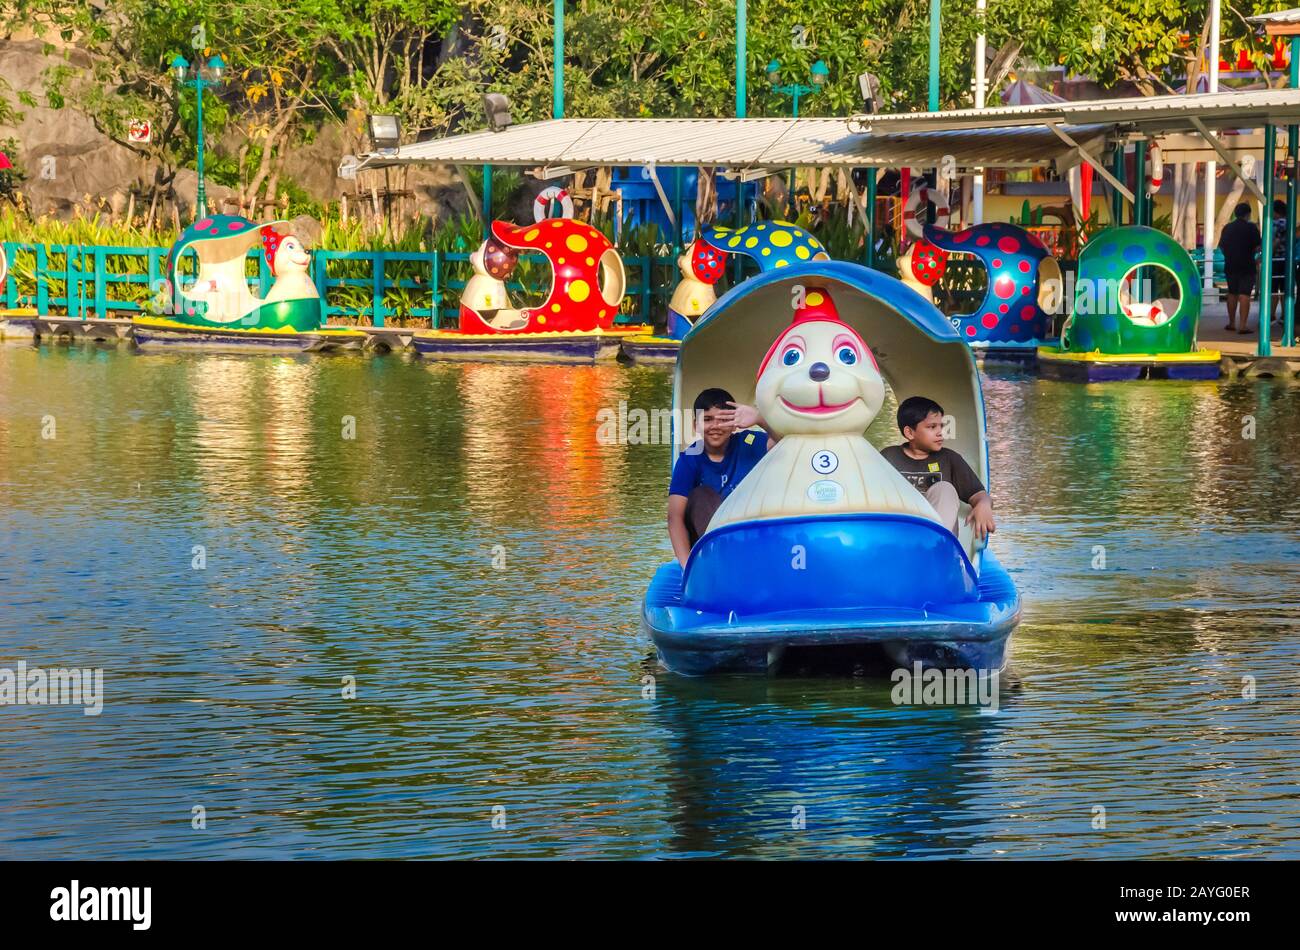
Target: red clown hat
x=270, y=245
x=818, y=307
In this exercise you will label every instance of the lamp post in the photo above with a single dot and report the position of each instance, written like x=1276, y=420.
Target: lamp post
x=199, y=76
x=818, y=75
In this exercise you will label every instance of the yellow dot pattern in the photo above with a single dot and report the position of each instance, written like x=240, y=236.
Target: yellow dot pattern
x=576, y=243
x=579, y=290
x=791, y=244
x=814, y=299
x=532, y=235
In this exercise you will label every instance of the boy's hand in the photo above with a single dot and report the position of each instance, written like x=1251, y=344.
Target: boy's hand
x=981, y=519
x=742, y=416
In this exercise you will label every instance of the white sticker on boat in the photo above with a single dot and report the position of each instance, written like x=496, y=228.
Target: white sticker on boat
x=825, y=491
x=825, y=461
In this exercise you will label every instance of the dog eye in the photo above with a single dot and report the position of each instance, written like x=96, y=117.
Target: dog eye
x=846, y=355
x=792, y=356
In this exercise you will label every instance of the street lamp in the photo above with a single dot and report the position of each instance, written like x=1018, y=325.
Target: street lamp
x=818, y=75
x=199, y=76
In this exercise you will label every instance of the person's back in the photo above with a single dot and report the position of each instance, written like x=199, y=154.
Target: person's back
x=1239, y=242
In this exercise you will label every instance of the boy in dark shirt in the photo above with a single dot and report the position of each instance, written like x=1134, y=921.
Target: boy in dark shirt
x=1239, y=241
x=940, y=474
x=712, y=466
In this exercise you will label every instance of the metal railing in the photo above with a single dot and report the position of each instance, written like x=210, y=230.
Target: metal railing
x=362, y=287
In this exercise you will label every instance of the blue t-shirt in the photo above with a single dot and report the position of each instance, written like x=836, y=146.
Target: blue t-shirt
x=694, y=467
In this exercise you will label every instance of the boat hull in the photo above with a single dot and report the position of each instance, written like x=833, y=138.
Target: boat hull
x=548, y=347
x=862, y=601
x=1065, y=366
x=151, y=334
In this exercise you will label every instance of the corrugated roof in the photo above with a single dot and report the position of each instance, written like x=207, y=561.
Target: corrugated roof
x=736, y=144
x=1224, y=110
x=1281, y=16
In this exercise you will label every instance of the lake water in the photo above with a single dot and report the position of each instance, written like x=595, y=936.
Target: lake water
x=472, y=560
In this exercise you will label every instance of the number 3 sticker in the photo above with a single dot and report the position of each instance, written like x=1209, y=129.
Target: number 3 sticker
x=825, y=462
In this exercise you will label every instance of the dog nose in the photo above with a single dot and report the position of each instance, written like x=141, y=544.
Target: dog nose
x=819, y=371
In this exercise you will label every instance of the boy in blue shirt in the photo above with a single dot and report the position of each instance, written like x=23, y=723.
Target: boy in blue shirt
x=712, y=466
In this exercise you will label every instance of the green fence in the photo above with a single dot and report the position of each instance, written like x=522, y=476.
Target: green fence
x=364, y=287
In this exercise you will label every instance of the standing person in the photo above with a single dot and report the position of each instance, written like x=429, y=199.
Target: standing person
x=1239, y=241
x=1279, y=260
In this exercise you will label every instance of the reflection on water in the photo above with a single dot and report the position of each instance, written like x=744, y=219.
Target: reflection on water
x=474, y=560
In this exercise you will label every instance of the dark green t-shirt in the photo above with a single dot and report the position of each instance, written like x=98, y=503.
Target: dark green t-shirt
x=944, y=465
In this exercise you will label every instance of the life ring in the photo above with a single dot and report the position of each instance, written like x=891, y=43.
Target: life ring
x=914, y=211
x=1155, y=169
x=541, y=207
x=4, y=267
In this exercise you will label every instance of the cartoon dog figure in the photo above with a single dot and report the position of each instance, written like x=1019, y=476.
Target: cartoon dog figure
x=819, y=387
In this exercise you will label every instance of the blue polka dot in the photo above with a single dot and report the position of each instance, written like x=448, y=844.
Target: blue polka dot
x=1107, y=249
x=1110, y=323
x=1135, y=253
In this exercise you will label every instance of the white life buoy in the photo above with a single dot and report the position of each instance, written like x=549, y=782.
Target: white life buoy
x=915, y=208
x=4, y=267
x=541, y=207
x=1155, y=169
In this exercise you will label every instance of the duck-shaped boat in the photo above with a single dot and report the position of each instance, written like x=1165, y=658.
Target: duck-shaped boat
x=824, y=543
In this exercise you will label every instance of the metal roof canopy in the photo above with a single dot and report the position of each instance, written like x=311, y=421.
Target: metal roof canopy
x=1053, y=134
x=1152, y=115
x=747, y=147
x=1145, y=117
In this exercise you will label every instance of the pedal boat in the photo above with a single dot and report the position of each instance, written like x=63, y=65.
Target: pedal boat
x=884, y=581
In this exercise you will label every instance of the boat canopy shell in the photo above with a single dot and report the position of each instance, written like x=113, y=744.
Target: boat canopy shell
x=918, y=350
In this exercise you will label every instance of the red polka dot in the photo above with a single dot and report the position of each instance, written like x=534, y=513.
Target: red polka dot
x=1005, y=287
x=961, y=238
x=1008, y=244
x=1027, y=313
x=1024, y=289
x=982, y=240
x=204, y=224
x=1015, y=328
x=1003, y=308
x=235, y=225
x=1024, y=266
x=997, y=263
x=970, y=331
x=989, y=321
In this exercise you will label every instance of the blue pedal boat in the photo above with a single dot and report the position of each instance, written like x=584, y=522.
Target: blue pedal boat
x=891, y=583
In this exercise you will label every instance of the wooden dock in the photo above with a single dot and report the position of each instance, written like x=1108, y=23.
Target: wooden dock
x=1240, y=351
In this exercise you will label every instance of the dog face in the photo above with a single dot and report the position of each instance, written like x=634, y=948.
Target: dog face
x=820, y=377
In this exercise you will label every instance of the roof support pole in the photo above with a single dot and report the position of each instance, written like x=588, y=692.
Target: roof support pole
x=869, y=220
x=1266, y=238
x=1208, y=292
x=934, y=55
x=742, y=15
x=1140, y=201
x=1086, y=156
x=487, y=202
x=1222, y=152
x=1293, y=143
x=557, y=82
x=1117, y=189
